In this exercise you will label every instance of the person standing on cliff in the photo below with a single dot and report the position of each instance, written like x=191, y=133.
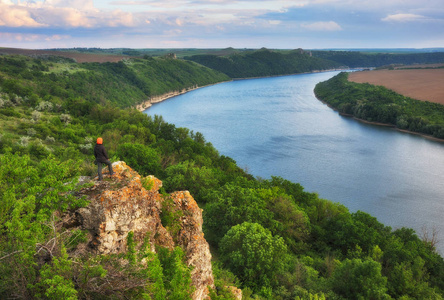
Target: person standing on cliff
x=102, y=158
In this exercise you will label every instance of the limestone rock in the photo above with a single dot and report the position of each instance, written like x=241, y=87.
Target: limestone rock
x=191, y=238
x=126, y=202
x=237, y=293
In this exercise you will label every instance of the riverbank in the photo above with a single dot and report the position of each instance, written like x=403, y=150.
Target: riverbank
x=398, y=129
x=159, y=98
x=427, y=136
x=381, y=105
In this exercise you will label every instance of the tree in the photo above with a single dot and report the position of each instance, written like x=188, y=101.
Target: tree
x=359, y=279
x=232, y=205
x=143, y=159
x=177, y=274
x=187, y=176
x=31, y=195
x=253, y=254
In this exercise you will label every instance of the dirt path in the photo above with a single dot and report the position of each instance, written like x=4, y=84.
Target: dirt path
x=420, y=84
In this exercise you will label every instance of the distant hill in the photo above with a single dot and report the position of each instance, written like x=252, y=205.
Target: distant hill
x=243, y=62
x=76, y=56
x=265, y=62
x=129, y=52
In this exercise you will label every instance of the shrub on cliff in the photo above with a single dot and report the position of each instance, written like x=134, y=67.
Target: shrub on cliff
x=144, y=159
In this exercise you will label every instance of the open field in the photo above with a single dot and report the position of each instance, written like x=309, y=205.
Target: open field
x=79, y=57
x=420, y=84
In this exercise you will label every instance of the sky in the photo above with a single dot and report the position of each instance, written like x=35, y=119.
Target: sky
x=274, y=24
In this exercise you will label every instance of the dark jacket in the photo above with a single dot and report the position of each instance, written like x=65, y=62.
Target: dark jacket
x=100, y=153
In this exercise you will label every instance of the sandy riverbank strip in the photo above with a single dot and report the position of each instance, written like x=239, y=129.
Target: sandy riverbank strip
x=159, y=98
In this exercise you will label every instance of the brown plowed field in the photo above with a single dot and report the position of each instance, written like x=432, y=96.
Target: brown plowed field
x=79, y=57
x=420, y=84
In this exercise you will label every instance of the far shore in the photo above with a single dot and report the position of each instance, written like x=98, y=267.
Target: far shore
x=430, y=137
x=427, y=136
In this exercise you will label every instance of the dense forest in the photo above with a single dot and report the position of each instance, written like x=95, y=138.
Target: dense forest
x=379, y=104
x=268, y=236
x=264, y=62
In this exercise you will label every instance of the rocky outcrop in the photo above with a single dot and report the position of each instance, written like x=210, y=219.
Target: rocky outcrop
x=126, y=202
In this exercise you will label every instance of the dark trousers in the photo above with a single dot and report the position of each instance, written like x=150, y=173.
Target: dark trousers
x=99, y=168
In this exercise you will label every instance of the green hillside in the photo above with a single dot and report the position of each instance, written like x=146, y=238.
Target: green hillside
x=268, y=236
x=123, y=84
x=264, y=62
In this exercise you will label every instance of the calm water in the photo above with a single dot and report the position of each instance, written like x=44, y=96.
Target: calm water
x=276, y=126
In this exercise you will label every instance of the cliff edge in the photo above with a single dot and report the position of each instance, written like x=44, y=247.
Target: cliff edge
x=125, y=203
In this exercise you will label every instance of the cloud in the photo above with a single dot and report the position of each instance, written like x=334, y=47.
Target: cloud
x=119, y=18
x=61, y=13
x=322, y=26
x=15, y=16
x=404, y=18
x=81, y=5
x=245, y=23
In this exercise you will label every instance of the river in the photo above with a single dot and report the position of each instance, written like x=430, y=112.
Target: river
x=276, y=127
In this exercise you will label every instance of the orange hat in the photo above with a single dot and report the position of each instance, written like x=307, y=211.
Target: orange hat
x=99, y=141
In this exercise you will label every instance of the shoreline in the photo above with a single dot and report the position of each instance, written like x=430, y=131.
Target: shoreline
x=159, y=98
x=427, y=136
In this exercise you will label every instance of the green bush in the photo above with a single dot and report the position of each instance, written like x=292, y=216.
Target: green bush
x=141, y=158
x=200, y=181
x=253, y=254
x=358, y=279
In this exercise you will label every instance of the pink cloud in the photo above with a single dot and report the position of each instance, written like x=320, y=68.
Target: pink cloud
x=15, y=16
x=58, y=13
